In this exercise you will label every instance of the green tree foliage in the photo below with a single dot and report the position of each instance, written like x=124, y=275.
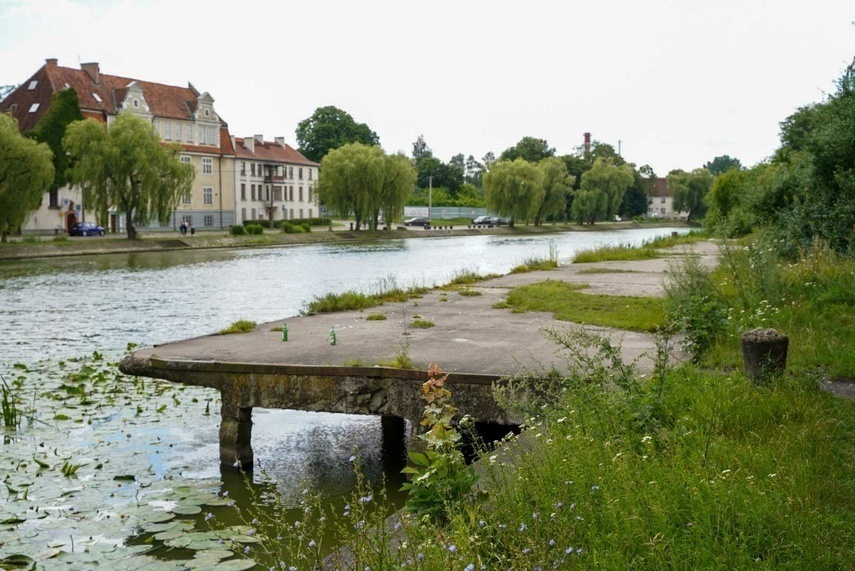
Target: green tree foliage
x=722, y=164
x=555, y=186
x=513, y=189
x=433, y=172
x=361, y=180
x=689, y=190
x=5, y=90
x=421, y=150
x=329, y=128
x=473, y=172
x=636, y=198
x=398, y=180
x=125, y=167
x=26, y=171
x=64, y=109
x=730, y=201
x=588, y=205
x=530, y=149
x=607, y=183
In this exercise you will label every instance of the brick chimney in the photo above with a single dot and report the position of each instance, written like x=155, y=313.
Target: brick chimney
x=93, y=70
x=249, y=143
x=280, y=141
x=587, y=143
x=51, y=61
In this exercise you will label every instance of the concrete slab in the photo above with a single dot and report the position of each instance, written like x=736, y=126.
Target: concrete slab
x=469, y=335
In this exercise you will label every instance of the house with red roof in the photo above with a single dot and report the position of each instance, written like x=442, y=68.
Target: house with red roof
x=660, y=202
x=273, y=181
x=179, y=114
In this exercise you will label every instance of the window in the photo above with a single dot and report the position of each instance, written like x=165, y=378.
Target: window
x=292, y=214
x=252, y=168
x=178, y=131
x=242, y=214
x=187, y=198
x=310, y=178
x=136, y=102
x=301, y=173
x=253, y=191
x=252, y=214
x=663, y=210
x=208, y=194
x=167, y=130
x=267, y=192
x=185, y=160
x=290, y=172
x=277, y=193
x=189, y=133
x=310, y=213
x=209, y=220
x=243, y=168
x=291, y=194
x=53, y=198
x=310, y=197
x=207, y=112
x=212, y=138
x=662, y=200
x=301, y=194
x=13, y=108
x=34, y=107
x=188, y=218
x=243, y=191
x=301, y=213
x=32, y=85
x=207, y=165
x=97, y=97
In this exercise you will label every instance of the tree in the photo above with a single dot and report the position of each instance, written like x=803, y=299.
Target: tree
x=636, y=199
x=398, y=179
x=488, y=160
x=607, y=182
x=690, y=190
x=513, y=189
x=25, y=173
x=473, y=172
x=555, y=185
x=64, y=109
x=421, y=150
x=588, y=205
x=722, y=164
x=125, y=166
x=329, y=128
x=362, y=180
x=5, y=90
x=528, y=148
x=433, y=172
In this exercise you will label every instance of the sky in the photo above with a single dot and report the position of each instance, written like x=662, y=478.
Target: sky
x=670, y=83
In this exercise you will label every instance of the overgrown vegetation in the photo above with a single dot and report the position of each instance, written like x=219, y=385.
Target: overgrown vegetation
x=649, y=249
x=239, y=326
x=384, y=291
x=568, y=304
x=812, y=300
x=535, y=263
x=422, y=324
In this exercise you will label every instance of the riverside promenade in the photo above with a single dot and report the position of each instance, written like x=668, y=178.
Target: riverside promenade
x=471, y=340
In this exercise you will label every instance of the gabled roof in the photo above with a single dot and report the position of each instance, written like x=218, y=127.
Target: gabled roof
x=97, y=98
x=660, y=187
x=272, y=152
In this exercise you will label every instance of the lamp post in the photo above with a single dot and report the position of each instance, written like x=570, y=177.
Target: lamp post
x=430, y=195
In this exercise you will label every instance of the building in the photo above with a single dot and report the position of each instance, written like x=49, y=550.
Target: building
x=179, y=114
x=661, y=202
x=273, y=181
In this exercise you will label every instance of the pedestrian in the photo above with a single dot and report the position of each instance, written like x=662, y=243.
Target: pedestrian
x=192, y=230
x=183, y=227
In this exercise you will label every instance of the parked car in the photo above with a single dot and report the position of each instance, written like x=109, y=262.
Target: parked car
x=85, y=229
x=418, y=221
x=481, y=220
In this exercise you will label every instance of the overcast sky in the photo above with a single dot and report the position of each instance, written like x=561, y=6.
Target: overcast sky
x=676, y=82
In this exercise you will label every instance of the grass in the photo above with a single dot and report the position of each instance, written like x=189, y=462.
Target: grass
x=466, y=292
x=9, y=406
x=422, y=324
x=535, y=263
x=376, y=317
x=627, y=252
x=240, y=326
x=467, y=277
x=568, y=304
x=385, y=291
x=605, y=271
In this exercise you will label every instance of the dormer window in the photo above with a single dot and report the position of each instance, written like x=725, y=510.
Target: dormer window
x=34, y=107
x=97, y=97
x=32, y=85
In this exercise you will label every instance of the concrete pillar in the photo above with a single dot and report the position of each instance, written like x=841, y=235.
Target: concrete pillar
x=236, y=437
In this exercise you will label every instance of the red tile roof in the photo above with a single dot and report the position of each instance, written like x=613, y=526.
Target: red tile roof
x=163, y=100
x=273, y=152
x=660, y=188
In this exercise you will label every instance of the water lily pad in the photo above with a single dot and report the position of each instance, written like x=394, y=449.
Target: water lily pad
x=186, y=510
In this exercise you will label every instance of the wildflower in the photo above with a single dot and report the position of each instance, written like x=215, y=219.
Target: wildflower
x=255, y=521
x=452, y=548
x=523, y=527
x=352, y=458
x=562, y=419
x=551, y=543
x=526, y=551
x=219, y=542
x=365, y=499
x=594, y=488
x=292, y=568
x=250, y=532
x=534, y=515
x=558, y=505
x=482, y=523
x=397, y=526
x=230, y=503
x=420, y=556
x=246, y=550
x=470, y=567
x=226, y=494
x=578, y=551
x=312, y=543
x=297, y=523
x=208, y=516
x=236, y=464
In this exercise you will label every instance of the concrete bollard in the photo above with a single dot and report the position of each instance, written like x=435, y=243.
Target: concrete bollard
x=764, y=353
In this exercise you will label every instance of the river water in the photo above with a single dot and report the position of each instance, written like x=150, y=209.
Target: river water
x=55, y=309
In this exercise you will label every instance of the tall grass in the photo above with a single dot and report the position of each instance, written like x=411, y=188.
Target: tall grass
x=9, y=406
x=649, y=249
x=384, y=290
x=535, y=263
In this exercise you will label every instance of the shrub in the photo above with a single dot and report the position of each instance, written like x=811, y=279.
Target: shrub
x=254, y=229
x=306, y=227
x=237, y=230
x=260, y=222
x=422, y=324
x=240, y=326
x=376, y=317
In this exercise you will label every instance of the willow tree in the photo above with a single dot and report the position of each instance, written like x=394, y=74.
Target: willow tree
x=64, y=110
x=125, y=167
x=556, y=184
x=351, y=180
x=513, y=189
x=26, y=172
x=399, y=176
x=610, y=181
x=689, y=190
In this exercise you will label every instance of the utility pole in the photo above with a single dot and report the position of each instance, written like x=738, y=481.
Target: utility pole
x=430, y=195
x=618, y=147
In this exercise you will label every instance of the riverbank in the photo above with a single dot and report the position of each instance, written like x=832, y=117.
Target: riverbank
x=60, y=246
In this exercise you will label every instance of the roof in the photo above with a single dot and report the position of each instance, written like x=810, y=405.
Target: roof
x=272, y=152
x=660, y=187
x=98, y=99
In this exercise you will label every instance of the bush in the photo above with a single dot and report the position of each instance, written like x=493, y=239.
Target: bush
x=306, y=227
x=261, y=222
x=237, y=230
x=290, y=228
x=255, y=229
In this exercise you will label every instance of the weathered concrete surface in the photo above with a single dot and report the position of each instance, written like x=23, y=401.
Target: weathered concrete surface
x=470, y=339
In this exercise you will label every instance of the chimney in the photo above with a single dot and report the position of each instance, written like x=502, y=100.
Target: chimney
x=280, y=141
x=587, y=143
x=51, y=62
x=93, y=70
x=259, y=139
x=249, y=143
